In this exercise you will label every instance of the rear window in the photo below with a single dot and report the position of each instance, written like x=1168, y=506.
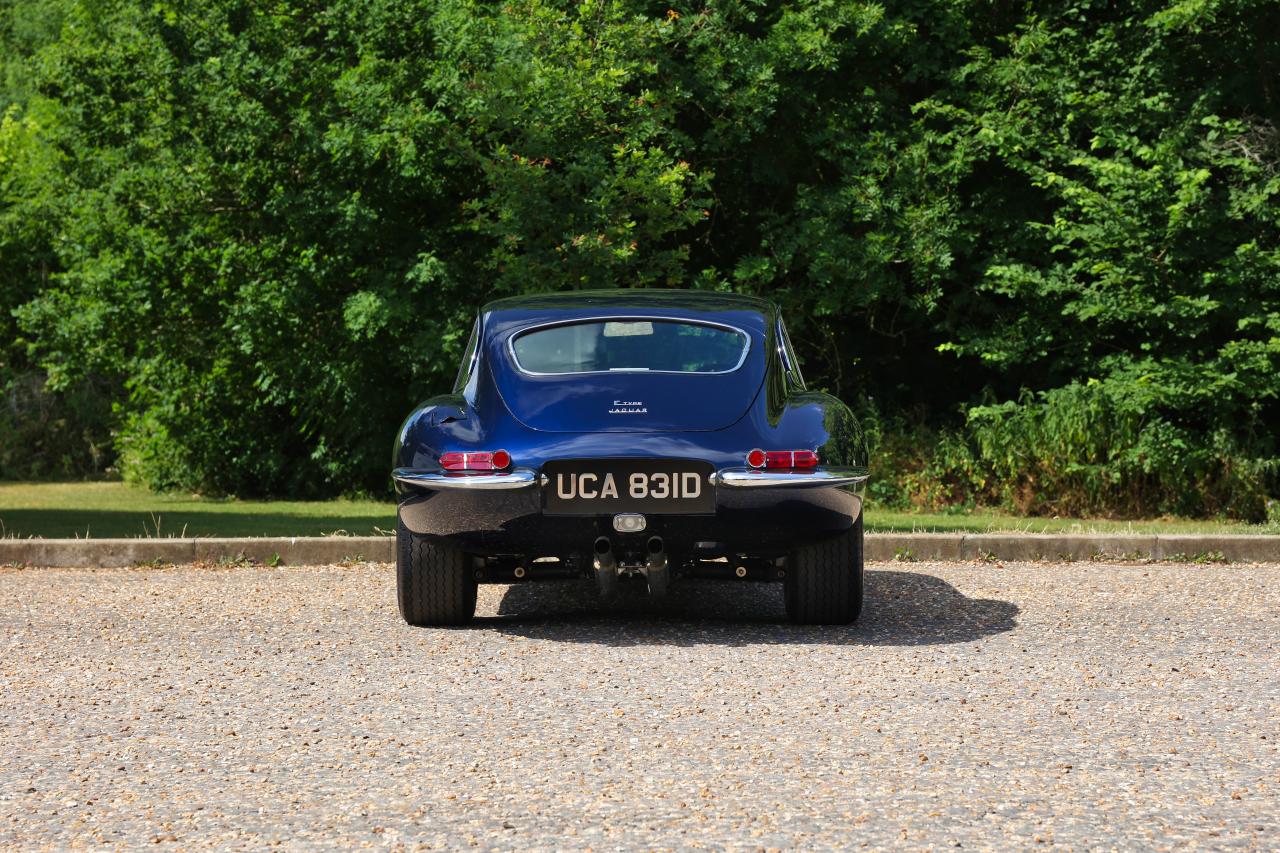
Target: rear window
x=630, y=344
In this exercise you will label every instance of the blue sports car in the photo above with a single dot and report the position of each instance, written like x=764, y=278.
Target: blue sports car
x=631, y=436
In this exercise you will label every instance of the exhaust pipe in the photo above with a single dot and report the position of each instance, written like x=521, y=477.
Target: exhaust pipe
x=606, y=567
x=656, y=571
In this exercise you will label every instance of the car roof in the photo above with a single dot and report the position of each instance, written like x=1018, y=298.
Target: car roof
x=534, y=309
x=632, y=297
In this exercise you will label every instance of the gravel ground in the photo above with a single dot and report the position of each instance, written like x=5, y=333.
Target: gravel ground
x=977, y=706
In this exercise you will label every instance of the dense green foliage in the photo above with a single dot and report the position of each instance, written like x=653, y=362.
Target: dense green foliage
x=1038, y=244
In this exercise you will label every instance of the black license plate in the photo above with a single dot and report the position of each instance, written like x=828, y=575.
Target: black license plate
x=607, y=486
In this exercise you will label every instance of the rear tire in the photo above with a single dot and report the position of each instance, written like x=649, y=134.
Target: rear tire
x=824, y=580
x=433, y=583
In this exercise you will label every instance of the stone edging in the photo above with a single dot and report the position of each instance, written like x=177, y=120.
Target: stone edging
x=108, y=553
x=1053, y=546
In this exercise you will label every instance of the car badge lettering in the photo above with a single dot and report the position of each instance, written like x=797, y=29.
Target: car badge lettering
x=628, y=407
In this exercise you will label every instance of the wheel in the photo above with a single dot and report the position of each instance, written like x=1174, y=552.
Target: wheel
x=824, y=580
x=433, y=583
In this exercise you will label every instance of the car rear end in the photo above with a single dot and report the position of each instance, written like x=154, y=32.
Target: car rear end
x=645, y=439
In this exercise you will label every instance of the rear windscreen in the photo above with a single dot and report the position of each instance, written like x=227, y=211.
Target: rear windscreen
x=670, y=346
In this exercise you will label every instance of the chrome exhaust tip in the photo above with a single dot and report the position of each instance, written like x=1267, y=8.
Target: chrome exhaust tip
x=606, y=567
x=656, y=571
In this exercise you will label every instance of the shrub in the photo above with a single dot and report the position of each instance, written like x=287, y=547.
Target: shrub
x=265, y=226
x=1083, y=449
x=53, y=435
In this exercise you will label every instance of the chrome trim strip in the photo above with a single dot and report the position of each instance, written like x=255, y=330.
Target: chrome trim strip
x=784, y=345
x=511, y=344
x=756, y=478
x=520, y=478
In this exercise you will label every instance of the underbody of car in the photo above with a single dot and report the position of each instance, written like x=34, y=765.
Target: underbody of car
x=630, y=435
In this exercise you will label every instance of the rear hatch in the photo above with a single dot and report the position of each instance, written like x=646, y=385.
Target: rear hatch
x=629, y=375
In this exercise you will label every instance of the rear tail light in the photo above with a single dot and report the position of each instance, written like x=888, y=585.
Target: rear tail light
x=782, y=459
x=480, y=460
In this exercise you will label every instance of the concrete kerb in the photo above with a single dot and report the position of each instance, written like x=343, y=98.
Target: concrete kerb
x=1051, y=546
x=1237, y=548
x=908, y=547
x=913, y=546
x=115, y=553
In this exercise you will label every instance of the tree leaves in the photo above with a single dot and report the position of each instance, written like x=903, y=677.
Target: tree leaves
x=268, y=225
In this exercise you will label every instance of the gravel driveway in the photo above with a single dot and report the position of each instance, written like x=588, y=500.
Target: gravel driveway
x=977, y=706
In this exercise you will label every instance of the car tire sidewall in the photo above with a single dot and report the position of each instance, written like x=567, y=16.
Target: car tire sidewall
x=824, y=581
x=434, y=584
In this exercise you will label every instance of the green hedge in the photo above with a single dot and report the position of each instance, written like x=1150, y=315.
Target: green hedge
x=1046, y=235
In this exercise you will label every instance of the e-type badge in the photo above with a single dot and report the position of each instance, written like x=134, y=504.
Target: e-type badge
x=628, y=407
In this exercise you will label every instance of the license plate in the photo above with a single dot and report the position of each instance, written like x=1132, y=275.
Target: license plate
x=606, y=486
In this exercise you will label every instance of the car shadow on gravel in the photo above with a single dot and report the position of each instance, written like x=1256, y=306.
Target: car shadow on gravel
x=901, y=609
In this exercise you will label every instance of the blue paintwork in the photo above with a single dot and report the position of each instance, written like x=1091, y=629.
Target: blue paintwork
x=717, y=418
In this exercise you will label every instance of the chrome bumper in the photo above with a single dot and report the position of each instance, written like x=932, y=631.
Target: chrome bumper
x=758, y=478
x=521, y=478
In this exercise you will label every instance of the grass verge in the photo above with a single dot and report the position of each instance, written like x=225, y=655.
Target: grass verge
x=113, y=510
